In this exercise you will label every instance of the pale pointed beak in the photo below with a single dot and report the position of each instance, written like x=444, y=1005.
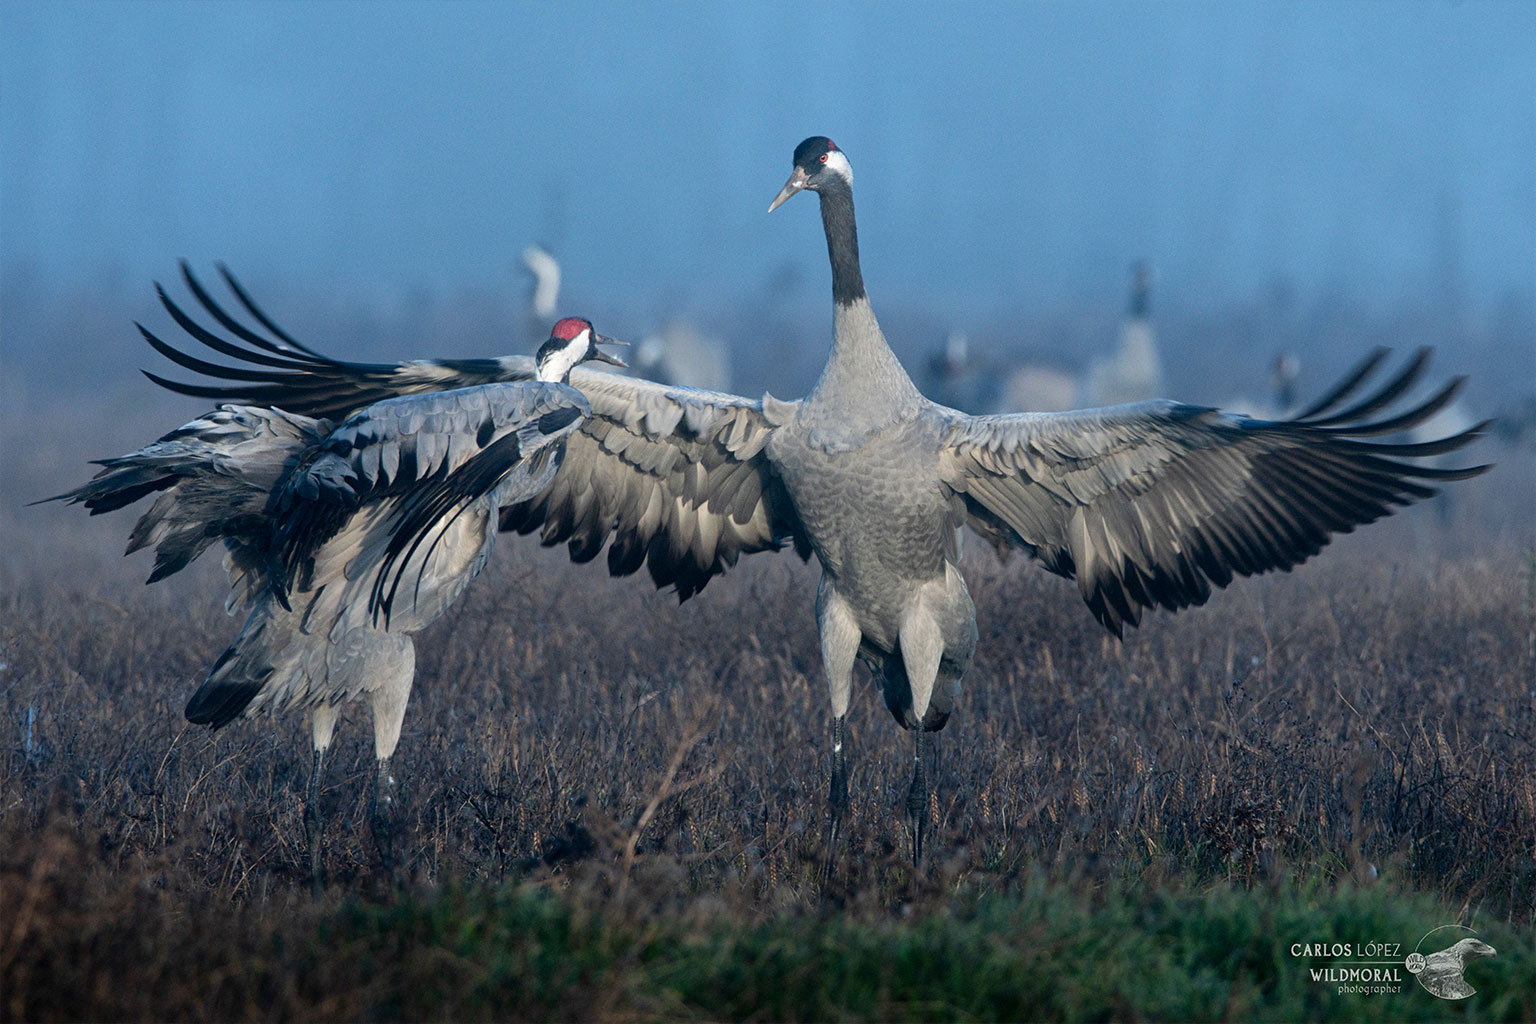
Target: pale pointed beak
x=795, y=183
x=604, y=357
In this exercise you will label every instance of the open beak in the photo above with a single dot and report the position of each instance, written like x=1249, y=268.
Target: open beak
x=795, y=183
x=604, y=357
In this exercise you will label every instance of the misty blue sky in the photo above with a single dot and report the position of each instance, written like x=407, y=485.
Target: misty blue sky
x=1019, y=153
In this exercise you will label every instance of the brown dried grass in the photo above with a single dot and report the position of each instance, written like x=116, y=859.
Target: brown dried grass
x=1367, y=710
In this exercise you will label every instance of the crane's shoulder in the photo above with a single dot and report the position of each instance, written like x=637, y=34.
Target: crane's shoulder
x=779, y=413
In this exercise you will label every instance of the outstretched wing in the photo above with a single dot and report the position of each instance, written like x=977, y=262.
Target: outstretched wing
x=386, y=489
x=1149, y=504
x=677, y=477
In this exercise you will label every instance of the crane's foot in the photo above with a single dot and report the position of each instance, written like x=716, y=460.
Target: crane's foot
x=917, y=798
x=382, y=814
x=837, y=797
x=312, y=824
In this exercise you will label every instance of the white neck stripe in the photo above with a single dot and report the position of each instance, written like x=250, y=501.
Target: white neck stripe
x=559, y=362
x=838, y=164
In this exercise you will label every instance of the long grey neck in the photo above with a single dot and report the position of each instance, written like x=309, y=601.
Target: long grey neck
x=842, y=240
x=862, y=378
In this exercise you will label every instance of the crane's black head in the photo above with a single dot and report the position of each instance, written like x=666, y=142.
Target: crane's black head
x=818, y=162
x=813, y=150
x=571, y=341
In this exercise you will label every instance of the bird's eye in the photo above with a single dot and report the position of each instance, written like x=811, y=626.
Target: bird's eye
x=823, y=158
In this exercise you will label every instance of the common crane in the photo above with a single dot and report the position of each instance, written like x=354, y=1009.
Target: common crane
x=543, y=299
x=343, y=540
x=1145, y=505
x=1134, y=371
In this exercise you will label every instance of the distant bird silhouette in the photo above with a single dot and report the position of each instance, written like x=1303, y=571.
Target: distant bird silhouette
x=1134, y=371
x=1284, y=372
x=544, y=297
x=1442, y=973
x=1516, y=423
x=956, y=377
x=1037, y=387
x=344, y=540
x=952, y=376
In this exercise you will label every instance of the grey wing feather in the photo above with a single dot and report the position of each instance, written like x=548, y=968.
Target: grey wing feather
x=676, y=476
x=281, y=372
x=1149, y=504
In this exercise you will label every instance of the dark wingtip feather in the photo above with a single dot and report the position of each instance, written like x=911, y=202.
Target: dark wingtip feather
x=256, y=311
x=1411, y=418
x=1427, y=473
x=1384, y=396
x=218, y=704
x=1346, y=387
x=202, y=366
x=195, y=390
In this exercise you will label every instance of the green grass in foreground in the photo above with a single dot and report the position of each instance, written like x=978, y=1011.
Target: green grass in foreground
x=86, y=944
x=1051, y=951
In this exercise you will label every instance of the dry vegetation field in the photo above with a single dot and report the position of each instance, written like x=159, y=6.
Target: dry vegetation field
x=614, y=805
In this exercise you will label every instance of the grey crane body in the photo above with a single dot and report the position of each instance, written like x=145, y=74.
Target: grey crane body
x=859, y=457
x=1144, y=505
x=888, y=540
x=342, y=541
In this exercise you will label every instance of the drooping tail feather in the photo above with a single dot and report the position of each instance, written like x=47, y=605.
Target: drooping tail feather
x=224, y=696
x=270, y=662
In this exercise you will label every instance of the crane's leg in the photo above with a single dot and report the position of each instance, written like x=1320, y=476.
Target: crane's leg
x=922, y=647
x=381, y=813
x=322, y=728
x=398, y=665
x=840, y=637
x=917, y=794
x=837, y=795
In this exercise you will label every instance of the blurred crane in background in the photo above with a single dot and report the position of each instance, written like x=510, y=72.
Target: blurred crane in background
x=1134, y=371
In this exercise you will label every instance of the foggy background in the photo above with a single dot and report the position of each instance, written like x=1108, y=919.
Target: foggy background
x=1313, y=178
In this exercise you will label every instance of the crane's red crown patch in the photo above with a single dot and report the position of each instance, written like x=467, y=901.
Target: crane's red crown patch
x=568, y=328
